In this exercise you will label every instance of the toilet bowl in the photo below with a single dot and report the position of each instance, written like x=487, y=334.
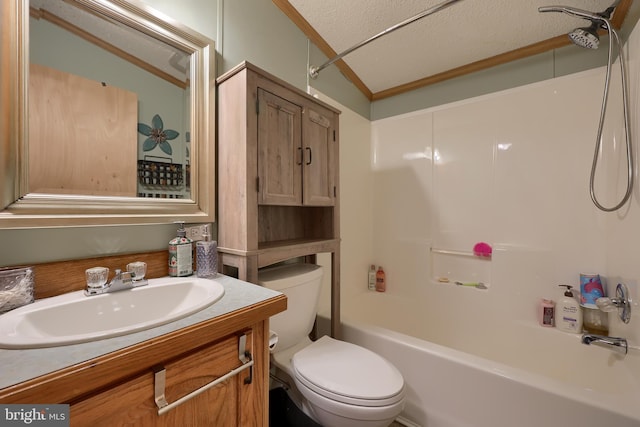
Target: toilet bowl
x=338, y=384
x=348, y=385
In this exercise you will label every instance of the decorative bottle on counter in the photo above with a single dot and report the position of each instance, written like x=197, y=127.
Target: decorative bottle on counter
x=381, y=280
x=372, y=278
x=181, y=254
x=206, y=255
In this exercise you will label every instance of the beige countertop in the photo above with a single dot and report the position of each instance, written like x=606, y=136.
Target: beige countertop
x=18, y=365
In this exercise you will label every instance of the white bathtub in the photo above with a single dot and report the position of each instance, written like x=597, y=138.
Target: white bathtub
x=521, y=375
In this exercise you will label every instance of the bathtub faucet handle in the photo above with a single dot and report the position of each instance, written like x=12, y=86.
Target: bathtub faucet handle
x=621, y=303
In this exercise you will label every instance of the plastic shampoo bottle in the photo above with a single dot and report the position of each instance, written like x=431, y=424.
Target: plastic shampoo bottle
x=372, y=278
x=568, y=313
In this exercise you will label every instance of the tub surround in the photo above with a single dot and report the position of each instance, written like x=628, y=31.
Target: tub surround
x=512, y=169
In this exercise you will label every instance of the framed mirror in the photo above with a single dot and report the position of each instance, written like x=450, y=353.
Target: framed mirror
x=109, y=111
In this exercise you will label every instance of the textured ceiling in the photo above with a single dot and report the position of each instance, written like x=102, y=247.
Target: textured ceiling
x=466, y=32
x=146, y=49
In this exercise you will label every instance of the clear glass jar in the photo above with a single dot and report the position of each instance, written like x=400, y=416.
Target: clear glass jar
x=595, y=321
x=16, y=287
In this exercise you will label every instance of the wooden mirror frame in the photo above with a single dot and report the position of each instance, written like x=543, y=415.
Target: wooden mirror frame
x=29, y=210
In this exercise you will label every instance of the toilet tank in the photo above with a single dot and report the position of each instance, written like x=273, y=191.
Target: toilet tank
x=301, y=284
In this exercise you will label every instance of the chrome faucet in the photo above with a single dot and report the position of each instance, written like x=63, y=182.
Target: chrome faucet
x=121, y=281
x=613, y=343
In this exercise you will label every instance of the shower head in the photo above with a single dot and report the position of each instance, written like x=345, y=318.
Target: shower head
x=586, y=37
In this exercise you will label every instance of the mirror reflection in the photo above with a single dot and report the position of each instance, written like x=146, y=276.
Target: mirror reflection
x=128, y=95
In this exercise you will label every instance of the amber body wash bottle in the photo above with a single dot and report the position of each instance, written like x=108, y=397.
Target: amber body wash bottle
x=381, y=280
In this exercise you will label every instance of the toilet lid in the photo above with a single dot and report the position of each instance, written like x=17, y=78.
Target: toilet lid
x=348, y=373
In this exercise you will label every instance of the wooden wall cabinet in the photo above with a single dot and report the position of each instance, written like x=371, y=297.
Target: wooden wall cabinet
x=278, y=187
x=296, y=152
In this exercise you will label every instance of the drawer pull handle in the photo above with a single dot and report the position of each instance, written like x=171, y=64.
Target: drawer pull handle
x=160, y=378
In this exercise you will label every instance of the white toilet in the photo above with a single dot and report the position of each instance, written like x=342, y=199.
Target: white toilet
x=339, y=384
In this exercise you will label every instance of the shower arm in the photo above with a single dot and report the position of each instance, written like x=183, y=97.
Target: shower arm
x=572, y=11
x=314, y=71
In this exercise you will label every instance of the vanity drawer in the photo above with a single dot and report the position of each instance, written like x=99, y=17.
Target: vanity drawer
x=133, y=401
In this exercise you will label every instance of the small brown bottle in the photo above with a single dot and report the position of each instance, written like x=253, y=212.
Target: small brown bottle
x=381, y=281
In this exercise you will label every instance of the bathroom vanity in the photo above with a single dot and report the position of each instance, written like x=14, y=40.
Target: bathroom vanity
x=148, y=378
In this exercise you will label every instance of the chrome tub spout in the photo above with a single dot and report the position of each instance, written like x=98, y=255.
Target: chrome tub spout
x=612, y=343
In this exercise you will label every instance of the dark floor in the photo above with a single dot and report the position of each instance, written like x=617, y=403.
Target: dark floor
x=284, y=413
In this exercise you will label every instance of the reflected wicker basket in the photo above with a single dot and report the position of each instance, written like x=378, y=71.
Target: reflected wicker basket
x=160, y=174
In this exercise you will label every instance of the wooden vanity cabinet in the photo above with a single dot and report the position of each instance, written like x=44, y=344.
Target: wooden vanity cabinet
x=121, y=388
x=278, y=182
x=132, y=401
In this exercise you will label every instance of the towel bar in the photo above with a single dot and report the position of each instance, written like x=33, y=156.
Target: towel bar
x=161, y=376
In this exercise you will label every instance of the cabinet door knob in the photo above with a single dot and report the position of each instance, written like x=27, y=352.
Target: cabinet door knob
x=301, y=156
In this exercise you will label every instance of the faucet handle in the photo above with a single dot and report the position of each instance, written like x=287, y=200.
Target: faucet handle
x=97, y=277
x=138, y=269
x=621, y=303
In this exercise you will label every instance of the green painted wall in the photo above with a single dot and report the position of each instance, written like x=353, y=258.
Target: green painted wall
x=257, y=31
x=517, y=73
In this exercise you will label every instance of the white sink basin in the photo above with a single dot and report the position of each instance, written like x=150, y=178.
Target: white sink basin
x=74, y=318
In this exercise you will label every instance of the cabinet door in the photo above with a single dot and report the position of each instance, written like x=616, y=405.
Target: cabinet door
x=279, y=150
x=132, y=403
x=320, y=146
x=93, y=160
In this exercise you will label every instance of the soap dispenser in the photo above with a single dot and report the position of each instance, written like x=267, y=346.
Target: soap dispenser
x=206, y=255
x=568, y=313
x=181, y=254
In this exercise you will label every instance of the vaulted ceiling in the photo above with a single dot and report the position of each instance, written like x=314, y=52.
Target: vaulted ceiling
x=467, y=36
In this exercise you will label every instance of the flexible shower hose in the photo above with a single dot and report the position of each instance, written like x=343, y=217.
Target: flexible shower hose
x=603, y=110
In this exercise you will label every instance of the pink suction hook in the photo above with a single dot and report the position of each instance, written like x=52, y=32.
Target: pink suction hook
x=482, y=249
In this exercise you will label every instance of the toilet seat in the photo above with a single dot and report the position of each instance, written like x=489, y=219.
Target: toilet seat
x=348, y=373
